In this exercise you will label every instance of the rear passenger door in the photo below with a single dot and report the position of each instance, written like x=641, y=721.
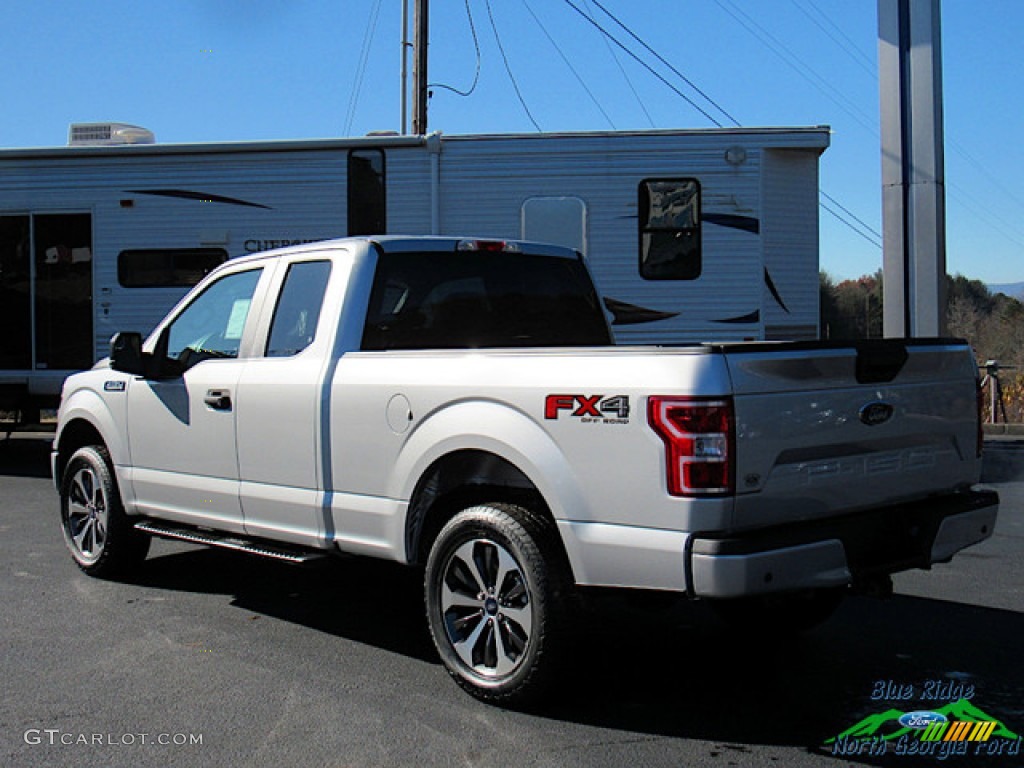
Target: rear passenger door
x=280, y=407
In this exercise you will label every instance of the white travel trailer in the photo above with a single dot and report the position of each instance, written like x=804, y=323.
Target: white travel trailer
x=692, y=235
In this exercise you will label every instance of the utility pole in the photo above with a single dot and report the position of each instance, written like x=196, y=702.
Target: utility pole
x=405, y=67
x=913, y=176
x=419, y=74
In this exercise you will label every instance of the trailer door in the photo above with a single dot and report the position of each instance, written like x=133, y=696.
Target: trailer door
x=62, y=248
x=15, y=294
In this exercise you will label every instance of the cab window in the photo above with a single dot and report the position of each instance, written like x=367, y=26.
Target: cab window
x=298, y=308
x=211, y=326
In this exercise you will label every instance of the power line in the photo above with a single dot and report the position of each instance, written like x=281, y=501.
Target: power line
x=476, y=75
x=643, y=63
x=568, y=63
x=840, y=38
x=664, y=61
x=861, y=228
x=850, y=213
x=998, y=223
x=985, y=215
x=851, y=227
x=629, y=82
x=364, y=56
x=796, y=63
x=508, y=68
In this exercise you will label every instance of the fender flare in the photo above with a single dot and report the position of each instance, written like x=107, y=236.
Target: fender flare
x=511, y=435
x=85, y=405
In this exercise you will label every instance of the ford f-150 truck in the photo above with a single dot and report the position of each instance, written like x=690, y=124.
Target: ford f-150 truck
x=460, y=405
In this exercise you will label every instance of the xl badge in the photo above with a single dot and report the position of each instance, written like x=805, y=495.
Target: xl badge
x=874, y=414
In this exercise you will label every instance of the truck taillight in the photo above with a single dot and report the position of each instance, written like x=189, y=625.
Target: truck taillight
x=489, y=246
x=700, y=443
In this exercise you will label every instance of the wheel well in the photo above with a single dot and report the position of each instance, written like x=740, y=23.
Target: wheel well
x=76, y=434
x=460, y=480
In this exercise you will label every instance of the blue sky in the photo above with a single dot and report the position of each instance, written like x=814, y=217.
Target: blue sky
x=225, y=70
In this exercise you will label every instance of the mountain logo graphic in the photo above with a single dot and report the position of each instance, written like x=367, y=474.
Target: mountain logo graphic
x=892, y=724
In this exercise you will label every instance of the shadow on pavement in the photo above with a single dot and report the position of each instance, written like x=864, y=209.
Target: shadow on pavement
x=1004, y=461
x=25, y=455
x=678, y=672
x=675, y=673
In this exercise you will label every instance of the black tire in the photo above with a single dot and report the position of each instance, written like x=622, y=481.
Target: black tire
x=787, y=613
x=96, y=529
x=498, y=591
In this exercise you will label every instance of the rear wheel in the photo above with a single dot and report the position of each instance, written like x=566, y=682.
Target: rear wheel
x=496, y=592
x=97, y=532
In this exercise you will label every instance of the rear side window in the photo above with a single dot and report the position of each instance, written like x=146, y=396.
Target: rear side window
x=670, y=247
x=479, y=299
x=298, y=308
x=167, y=267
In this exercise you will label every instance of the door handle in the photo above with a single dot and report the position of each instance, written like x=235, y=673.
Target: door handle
x=218, y=399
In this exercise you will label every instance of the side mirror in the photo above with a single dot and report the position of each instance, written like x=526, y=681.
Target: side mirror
x=126, y=353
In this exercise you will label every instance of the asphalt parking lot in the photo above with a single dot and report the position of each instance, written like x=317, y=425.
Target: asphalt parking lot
x=212, y=658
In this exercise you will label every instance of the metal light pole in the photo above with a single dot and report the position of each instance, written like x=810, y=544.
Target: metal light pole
x=913, y=175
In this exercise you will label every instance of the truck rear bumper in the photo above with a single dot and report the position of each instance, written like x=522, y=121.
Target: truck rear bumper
x=841, y=551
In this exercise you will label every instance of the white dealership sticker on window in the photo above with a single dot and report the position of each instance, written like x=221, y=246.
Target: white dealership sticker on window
x=236, y=323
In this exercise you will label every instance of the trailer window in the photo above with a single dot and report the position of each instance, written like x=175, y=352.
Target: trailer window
x=367, y=200
x=167, y=267
x=670, y=239
x=557, y=220
x=298, y=308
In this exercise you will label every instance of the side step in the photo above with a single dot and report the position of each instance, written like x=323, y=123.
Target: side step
x=273, y=550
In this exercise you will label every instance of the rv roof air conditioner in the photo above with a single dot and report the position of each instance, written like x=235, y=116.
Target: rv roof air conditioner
x=107, y=134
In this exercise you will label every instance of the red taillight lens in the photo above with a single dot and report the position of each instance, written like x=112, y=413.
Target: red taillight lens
x=489, y=246
x=699, y=441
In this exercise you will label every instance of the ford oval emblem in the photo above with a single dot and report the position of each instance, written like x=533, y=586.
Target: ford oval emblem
x=874, y=414
x=921, y=719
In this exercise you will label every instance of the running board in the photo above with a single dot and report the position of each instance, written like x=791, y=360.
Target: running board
x=272, y=550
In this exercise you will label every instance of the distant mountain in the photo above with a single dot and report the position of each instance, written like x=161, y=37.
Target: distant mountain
x=886, y=725
x=1013, y=290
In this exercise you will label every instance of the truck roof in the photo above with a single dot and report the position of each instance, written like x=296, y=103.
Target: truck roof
x=422, y=243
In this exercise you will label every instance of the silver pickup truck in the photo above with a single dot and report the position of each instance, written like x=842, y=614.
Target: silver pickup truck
x=459, y=405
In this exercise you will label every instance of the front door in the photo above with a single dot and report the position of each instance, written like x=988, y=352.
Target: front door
x=182, y=431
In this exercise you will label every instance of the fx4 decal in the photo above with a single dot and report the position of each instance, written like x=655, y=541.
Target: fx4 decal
x=589, y=408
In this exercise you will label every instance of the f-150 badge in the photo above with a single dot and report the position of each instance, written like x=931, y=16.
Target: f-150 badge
x=589, y=408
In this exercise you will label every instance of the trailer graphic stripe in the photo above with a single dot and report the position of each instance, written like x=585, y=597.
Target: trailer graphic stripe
x=203, y=197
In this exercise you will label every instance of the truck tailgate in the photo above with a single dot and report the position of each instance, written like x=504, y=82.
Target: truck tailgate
x=824, y=431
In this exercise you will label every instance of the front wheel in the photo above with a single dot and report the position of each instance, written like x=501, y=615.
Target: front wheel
x=97, y=532
x=496, y=586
